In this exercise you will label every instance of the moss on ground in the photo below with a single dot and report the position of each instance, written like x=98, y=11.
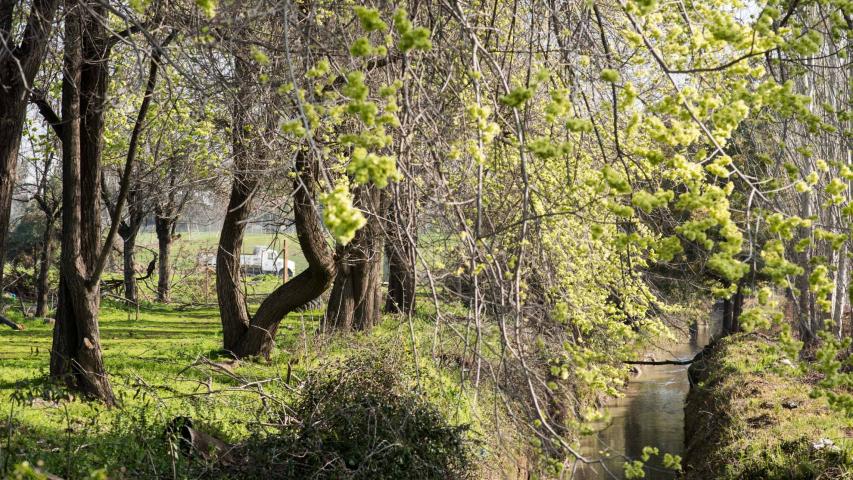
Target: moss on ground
x=749, y=415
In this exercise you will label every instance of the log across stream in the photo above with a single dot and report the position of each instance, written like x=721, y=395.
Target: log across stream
x=651, y=412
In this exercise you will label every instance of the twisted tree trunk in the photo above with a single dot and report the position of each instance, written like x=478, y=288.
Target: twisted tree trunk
x=254, y=336
x=232, y=302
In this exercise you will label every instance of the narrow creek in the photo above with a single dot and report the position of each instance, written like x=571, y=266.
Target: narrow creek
x=651, y=412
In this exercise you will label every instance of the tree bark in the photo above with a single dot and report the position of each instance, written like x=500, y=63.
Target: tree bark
x=76, y=353
x=166, y=216
x=259, y=338
x=128, y=230
x=356, y=298
x=43, y=281
x=232, y=302
x=129, y=244
x=839, y=304
x=401, y=234
x=165, y=228
x=737, y=309
x=18, y=67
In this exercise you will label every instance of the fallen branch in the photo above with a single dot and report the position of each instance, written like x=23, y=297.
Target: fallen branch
x=193, y=442
x=10, y=324
x=664, y=362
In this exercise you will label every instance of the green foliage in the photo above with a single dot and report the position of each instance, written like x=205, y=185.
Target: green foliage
x=578, y=125
x=370, y=19
x=634, y=469
x=361, y=48
x=411, y=37
x=293, y=127
x=208, y=7
x=610, y=75
x=517, y=97
x=615, y=180
x=368, y=167
x=647, y=202
x=342, y=219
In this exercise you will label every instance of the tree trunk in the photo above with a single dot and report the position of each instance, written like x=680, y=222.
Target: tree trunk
x=727, y=316
x=356, y=299
x=401, y=234
x=18, y=67
x=737, y=309
x=232, y=303
x=841, y=291
x=259, y=339
x=43, y=282
x=165, y=228
x=256, y=336
x=804, y=307
x=128, y=230
x=129, y=244
x=76, y=353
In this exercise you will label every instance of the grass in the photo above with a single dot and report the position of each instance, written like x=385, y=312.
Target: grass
x=751, y=416
x=158, y=368
x=166, y=364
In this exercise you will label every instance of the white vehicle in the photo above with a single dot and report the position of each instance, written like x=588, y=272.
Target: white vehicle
x=262, y=260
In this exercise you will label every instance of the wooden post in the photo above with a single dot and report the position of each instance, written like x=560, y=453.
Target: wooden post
x=284, y=255
x=206, y=283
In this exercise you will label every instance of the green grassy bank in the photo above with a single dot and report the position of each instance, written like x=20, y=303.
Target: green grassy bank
x=749, y=415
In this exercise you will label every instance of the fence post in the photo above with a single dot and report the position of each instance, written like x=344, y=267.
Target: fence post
x=206, y=284
x=284, y=276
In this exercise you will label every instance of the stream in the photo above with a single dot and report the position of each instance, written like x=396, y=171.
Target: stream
x=651, y=412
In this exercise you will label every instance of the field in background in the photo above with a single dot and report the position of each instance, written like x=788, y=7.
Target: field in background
x=190, y=246
x=193, y=280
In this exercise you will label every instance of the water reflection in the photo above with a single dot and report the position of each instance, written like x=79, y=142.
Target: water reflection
x=650, y=414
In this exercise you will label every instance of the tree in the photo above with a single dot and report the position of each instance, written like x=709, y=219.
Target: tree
x=153, y=135
x=246, y=335
x=128, y=230
x=76, y=352
x=19, y=63
x=45, y=191
x=401, y=233
x=183, y=153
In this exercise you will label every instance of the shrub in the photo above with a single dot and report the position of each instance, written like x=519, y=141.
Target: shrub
x=362, y=419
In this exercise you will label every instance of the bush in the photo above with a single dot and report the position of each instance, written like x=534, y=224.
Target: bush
x=26, y=236
x=362, y=419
